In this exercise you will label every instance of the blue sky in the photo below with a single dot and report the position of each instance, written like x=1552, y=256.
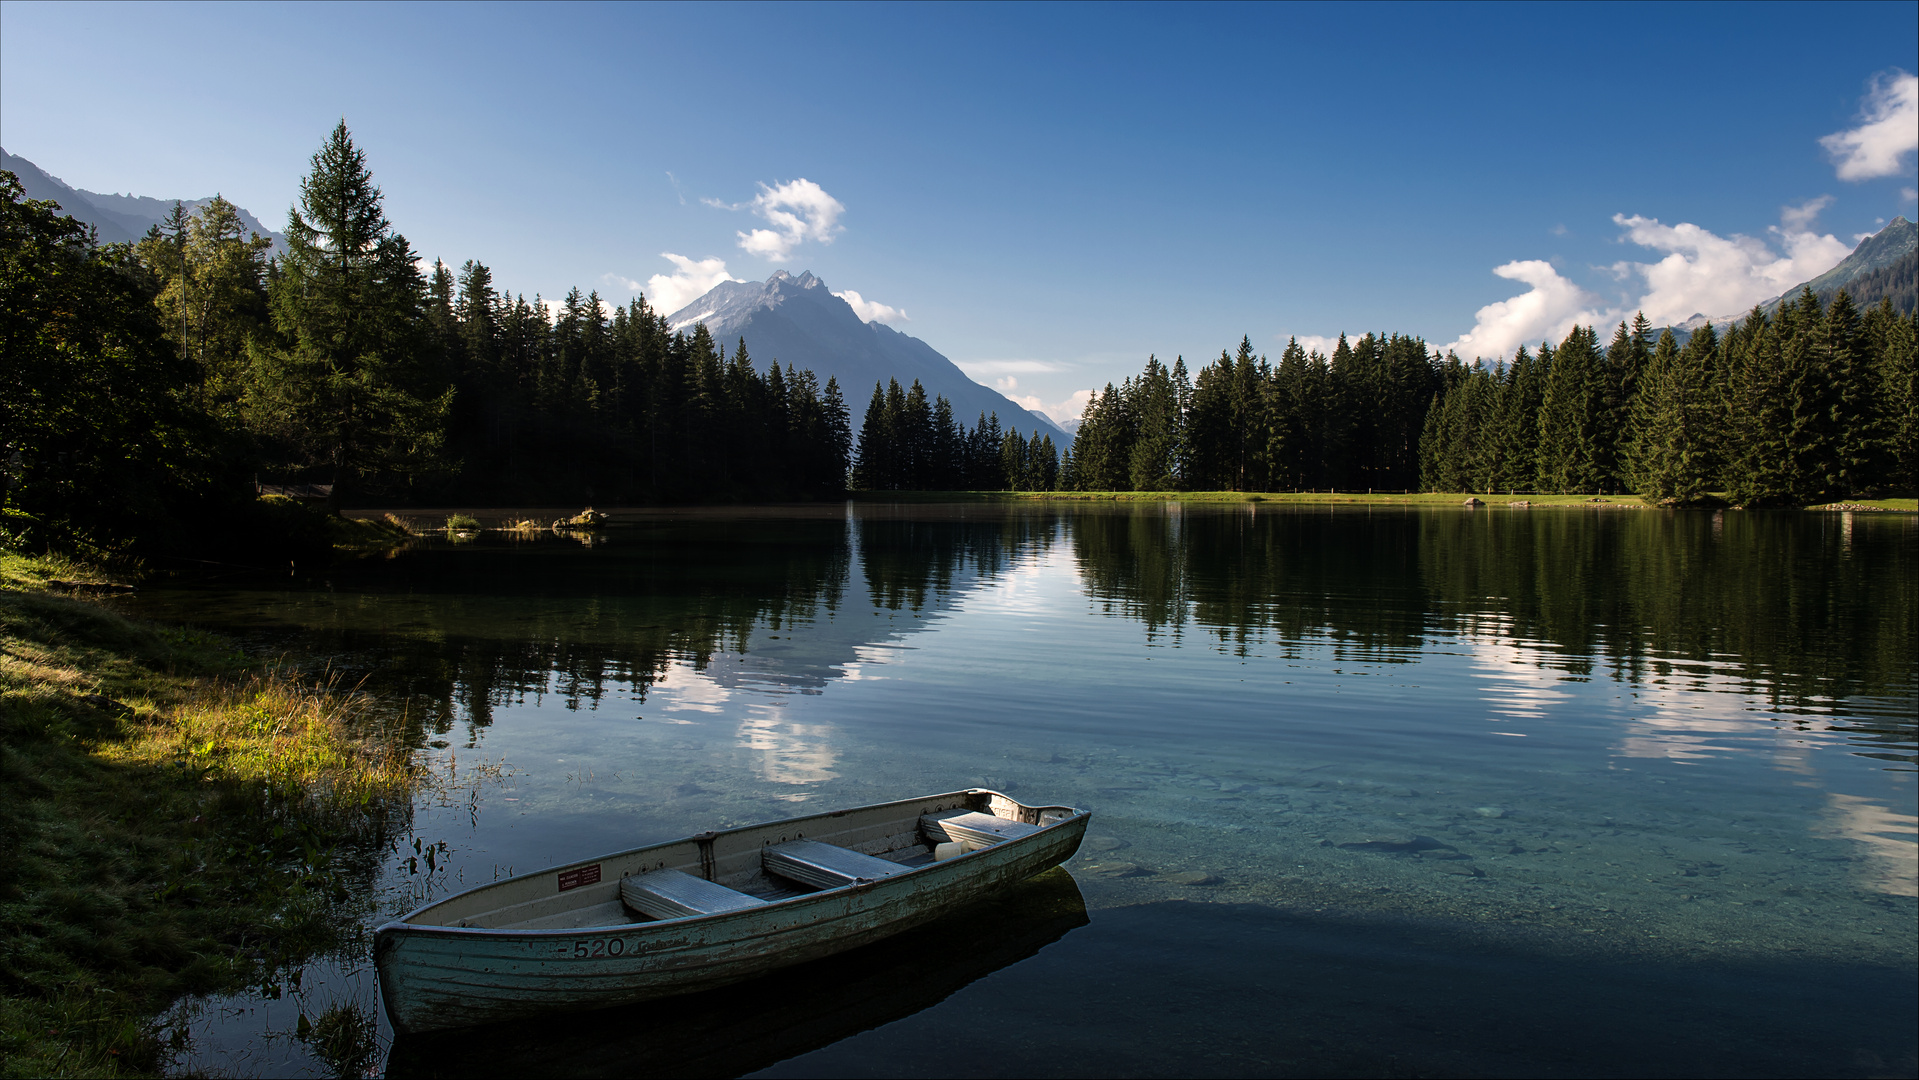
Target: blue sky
x=1048, y=193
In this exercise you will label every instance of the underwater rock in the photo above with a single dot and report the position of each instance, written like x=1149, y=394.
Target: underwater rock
x=1104, y=843
x=1115, y=869
x=1491, y=811
x=1192, y=877
x=1391, y=843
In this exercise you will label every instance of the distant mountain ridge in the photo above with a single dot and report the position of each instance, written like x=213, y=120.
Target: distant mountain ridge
x=1885, y=264
x=798, y=321
x=117, y=218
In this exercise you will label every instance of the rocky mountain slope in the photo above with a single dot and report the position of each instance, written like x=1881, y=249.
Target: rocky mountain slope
x=798, y=321
x=118, y=218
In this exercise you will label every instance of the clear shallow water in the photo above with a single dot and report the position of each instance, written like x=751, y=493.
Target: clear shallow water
x=1499, y=792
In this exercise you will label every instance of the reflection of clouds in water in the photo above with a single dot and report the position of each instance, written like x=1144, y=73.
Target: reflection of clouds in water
x=789, y=753
x=875, y=655
x=1032, y=584
x=1703, y=716
x=1891, y=864
x=691, y=691
x=1519, y=683
x=857, y=672
x=1695, y=711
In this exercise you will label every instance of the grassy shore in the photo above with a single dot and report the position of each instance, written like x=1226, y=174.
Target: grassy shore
x=178, y=819
x=1417, y=498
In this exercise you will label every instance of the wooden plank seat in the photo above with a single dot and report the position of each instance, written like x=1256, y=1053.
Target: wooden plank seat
x=670, y=894
x=825, y=866
x=973, y=828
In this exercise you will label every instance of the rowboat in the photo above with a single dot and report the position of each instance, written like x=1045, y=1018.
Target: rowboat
x=794, y=1010
x=707, y=910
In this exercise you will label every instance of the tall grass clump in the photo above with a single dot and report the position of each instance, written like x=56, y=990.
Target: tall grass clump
x=462, y=523
x=174, y=821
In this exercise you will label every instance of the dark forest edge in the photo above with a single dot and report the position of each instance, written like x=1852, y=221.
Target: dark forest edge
x=1815, y=405
x=155, y=387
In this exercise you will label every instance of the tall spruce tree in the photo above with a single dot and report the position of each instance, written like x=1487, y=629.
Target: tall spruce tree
x=1674, y=420
x=346, y=390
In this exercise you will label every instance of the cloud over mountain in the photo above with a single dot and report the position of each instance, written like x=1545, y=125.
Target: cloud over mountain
x=671, y=292
x=1702, y=272
x=798, y=211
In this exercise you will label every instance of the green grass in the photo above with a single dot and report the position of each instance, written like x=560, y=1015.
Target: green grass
x=367, y=534
x=177, y=820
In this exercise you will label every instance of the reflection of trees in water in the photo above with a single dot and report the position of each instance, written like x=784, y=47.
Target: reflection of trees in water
x=911, y=554
x=1248, y=575
x=1804, y=607
x=574, y=624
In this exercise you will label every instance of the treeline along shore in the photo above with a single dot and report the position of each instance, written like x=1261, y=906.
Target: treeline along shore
x=1811, y=405
x=151, y=389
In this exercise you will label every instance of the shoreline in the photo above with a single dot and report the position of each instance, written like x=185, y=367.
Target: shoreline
x=183, y=819
x=1331, y=498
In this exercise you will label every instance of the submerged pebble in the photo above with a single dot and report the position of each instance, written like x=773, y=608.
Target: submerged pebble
x=1104, y=843
x=1115, y=869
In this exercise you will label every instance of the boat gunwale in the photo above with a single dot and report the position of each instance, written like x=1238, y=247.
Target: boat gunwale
x=402, y=925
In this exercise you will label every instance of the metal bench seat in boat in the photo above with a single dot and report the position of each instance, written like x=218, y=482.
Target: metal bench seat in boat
x=825, y=866
x=670, y=894
x=972, y=827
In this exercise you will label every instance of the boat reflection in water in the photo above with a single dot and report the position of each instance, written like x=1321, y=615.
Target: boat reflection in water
x=742, y=1028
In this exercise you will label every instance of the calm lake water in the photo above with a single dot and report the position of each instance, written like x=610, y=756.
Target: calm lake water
x=1550, y=792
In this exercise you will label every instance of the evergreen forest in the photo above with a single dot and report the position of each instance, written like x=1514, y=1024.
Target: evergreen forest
x=157, y=386
x=1814, y=403
x=153, y=387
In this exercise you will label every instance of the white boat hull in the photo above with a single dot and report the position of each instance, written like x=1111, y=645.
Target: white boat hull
x=506, y=950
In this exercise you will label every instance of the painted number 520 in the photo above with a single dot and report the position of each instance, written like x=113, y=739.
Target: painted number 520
x=587, y=950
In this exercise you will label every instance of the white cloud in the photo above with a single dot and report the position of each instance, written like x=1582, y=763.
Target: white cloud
x=799, y=210
x=1722, y=276
x=1887, y=132
x=1061, y=411
x=982, y=369
x=1702, y=273
x=1007, y=384
x=623, y=282
x=669, y=293
x=872, y=310
x=1314, y=343
x=1546, y=311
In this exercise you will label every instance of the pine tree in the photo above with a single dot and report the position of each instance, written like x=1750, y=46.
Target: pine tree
x=1673, y=420
x=346, y=390
x=947, y=452
x=1895, y=342
x=1153, y=462
x=1569, y=416
x=837, y=451
x=1012, y=456
x=1858, y=422
x=873, y=470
